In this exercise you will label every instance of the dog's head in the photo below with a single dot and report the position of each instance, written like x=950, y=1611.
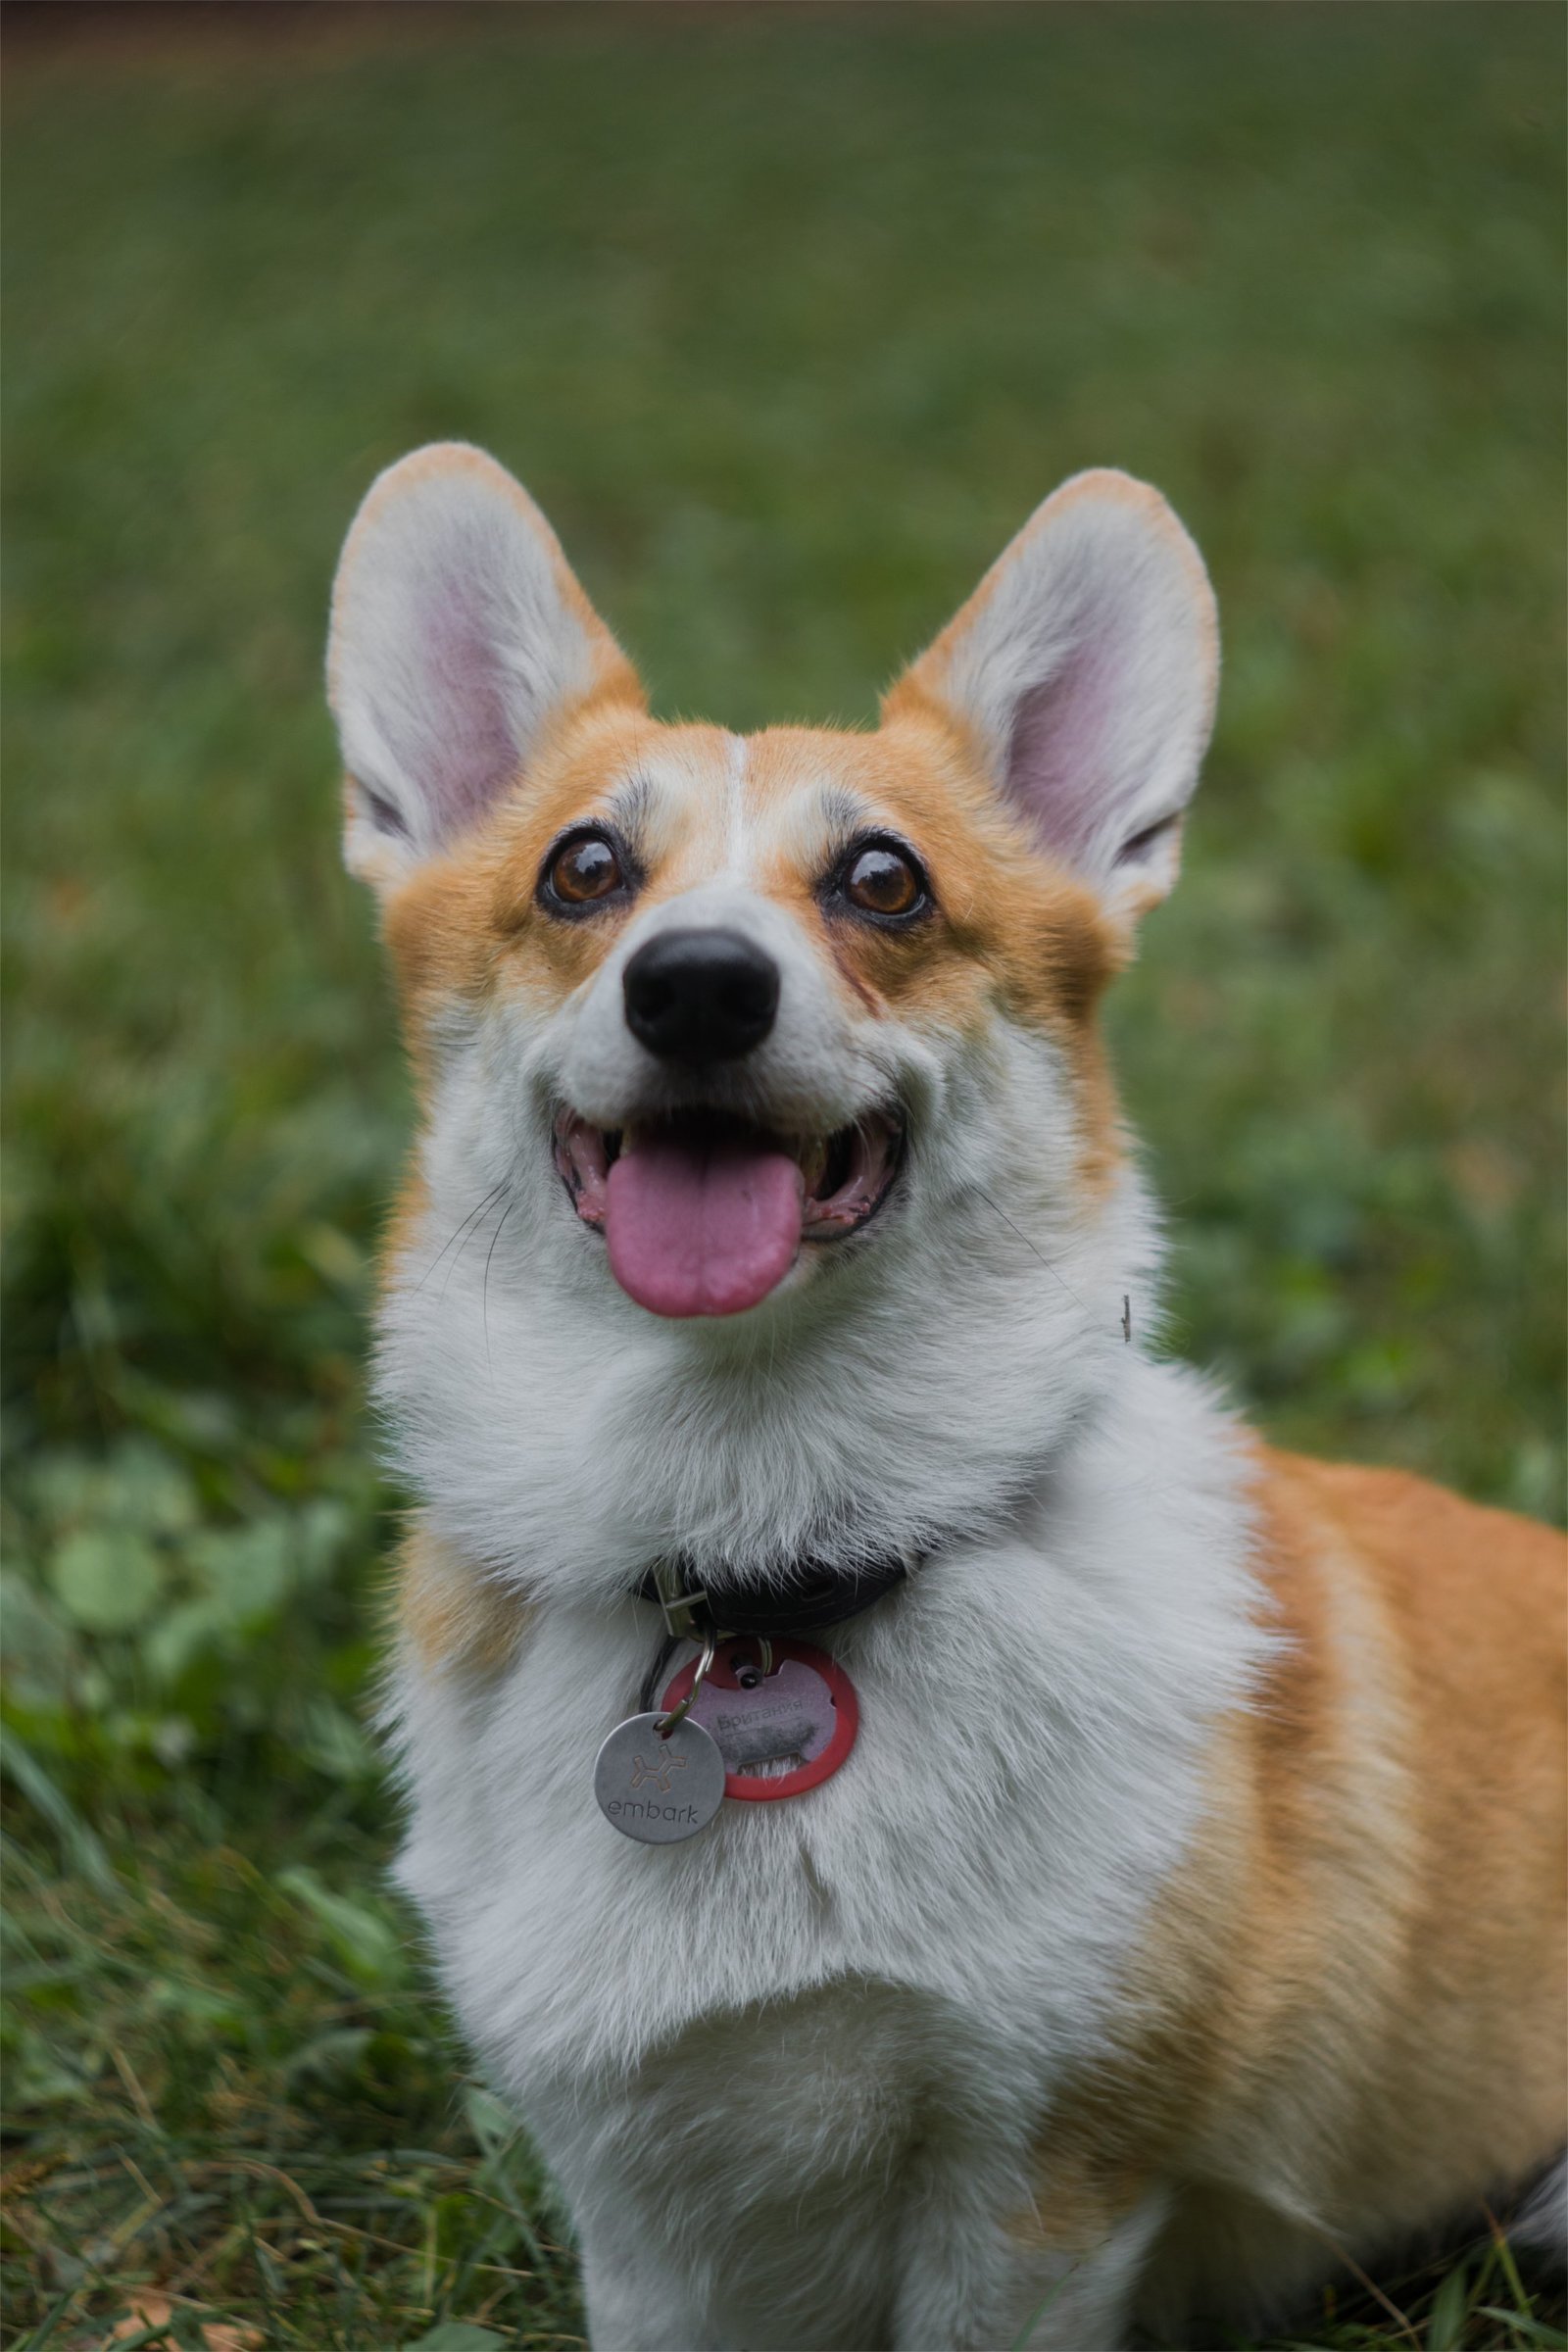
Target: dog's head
x=775, y=1036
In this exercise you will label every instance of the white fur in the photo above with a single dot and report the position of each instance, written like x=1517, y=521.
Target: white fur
x=821, y=2019
x=908, y=1382
x=855, y=2007
x=789, y=2073
x=1540, y=2226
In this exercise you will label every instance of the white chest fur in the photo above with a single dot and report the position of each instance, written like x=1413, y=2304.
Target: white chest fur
x=813, y=1996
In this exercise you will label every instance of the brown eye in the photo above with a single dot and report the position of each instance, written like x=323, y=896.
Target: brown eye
x=881, y=880
x=585, y=869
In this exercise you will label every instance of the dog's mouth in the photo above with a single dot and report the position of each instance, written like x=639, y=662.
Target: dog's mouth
x=705, y=1215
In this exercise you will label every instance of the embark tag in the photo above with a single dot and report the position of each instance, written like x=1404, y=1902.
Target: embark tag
x=658, y=1791
x=782, y=1733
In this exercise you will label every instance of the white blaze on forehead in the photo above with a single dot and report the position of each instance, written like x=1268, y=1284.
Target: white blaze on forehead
x=686, y=803
x=737, y=833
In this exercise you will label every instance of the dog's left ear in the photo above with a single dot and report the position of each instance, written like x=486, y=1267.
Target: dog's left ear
x=1084, y=667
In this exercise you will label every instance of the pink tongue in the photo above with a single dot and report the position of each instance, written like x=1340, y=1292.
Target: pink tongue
x=702, y=1224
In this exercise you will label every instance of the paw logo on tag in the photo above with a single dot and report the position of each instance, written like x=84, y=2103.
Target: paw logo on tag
x=635, y=1783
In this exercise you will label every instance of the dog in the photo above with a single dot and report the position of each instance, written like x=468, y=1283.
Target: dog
x=1156, y=1897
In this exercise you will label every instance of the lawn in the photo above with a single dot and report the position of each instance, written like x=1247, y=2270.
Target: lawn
x=788, y=319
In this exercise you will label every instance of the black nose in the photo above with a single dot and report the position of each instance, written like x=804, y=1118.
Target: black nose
x=701, y=996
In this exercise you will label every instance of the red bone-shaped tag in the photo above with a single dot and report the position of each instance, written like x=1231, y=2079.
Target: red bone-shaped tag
x=805, y=1708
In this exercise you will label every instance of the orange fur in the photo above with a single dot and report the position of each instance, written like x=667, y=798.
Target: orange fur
x=1012, y=929
x=1351, y=1996
x=453, y=1619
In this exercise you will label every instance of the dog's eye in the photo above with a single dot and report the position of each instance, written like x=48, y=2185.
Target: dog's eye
x=882, y=880
x=583, y=870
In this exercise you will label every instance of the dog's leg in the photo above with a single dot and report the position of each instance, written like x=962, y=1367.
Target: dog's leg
x=1066, y=2298
x=638, y=2302
x=979, y=2289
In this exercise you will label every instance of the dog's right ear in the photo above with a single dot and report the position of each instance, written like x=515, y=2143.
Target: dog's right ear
x=458, y=634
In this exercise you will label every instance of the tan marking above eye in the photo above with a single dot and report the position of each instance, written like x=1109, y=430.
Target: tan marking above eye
x=585, y=869
x=881, y=881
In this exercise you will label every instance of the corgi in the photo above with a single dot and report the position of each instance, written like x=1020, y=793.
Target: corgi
x=1142, y=1893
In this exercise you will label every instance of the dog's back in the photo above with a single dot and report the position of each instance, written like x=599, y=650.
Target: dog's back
x=1347, y=2021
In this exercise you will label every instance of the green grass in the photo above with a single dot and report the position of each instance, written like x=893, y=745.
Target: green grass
x=789, y=320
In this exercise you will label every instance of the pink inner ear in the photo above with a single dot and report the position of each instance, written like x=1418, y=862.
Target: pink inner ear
x=465, y=750
x=1056, y=764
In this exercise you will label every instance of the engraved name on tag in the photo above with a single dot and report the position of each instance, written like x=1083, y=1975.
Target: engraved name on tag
x=764, y=1734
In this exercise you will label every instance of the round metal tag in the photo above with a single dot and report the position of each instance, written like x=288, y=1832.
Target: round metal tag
x=658, y=1791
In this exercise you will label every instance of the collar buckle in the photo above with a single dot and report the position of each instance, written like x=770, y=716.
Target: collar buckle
x=688, y=1616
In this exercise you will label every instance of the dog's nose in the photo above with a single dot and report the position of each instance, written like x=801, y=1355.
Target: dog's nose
x=701, y=996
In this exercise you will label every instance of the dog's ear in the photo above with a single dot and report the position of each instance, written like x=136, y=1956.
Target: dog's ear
x=1084, y=667
x=458, y=635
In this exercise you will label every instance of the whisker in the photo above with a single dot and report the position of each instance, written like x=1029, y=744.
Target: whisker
x=1029, y=1245
x=462, y=1228
x=473, y=1227
x=484, y=1293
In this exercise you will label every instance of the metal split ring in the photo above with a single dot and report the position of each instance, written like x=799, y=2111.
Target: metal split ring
x=678, y=1714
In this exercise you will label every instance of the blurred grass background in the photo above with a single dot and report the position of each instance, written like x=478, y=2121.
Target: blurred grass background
x=788, y=319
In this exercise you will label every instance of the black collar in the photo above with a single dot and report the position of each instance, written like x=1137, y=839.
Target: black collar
x=711, y=1608
x=815, y=1594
